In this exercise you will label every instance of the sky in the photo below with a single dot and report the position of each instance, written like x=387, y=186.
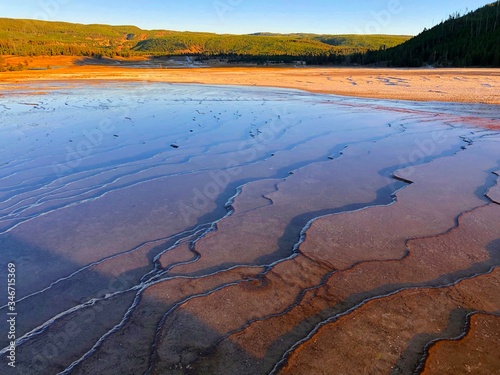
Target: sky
x=403, y=17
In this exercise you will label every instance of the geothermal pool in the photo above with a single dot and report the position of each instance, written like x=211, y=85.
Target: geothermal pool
x=186, y=229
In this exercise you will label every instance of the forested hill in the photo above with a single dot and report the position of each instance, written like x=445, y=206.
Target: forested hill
x=31, y=38
x=469, y=40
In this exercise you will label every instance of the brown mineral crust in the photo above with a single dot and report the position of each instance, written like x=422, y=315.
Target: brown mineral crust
x=256, y=345
x=245, y=237
x=333, y=184
x=181, y=253
x=476, y=353
x=253, y=195
x=428, y=259
x=440, y=191
x=136, y=337
x=229, y=309
x=258, y=231
x=176, y=288
x=460, y=249
x=388, y=334
x=90, y=242
x=134, y=263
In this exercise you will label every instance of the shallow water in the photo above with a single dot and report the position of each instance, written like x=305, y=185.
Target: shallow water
x=163, y=227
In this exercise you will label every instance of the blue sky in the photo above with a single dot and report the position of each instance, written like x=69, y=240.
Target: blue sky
x=247, y=16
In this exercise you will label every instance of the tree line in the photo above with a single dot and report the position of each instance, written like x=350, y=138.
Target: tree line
x=36, y=38
x=462, y=40
x=472, y=39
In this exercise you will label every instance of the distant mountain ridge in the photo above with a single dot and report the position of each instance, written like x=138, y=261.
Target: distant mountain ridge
x=31, y=37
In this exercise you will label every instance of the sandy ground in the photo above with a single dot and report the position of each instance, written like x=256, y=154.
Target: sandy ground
x=445, y=85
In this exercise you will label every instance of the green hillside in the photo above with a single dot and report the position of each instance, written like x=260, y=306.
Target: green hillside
x=231, y=44
x=33, y=38
x=468, y=40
